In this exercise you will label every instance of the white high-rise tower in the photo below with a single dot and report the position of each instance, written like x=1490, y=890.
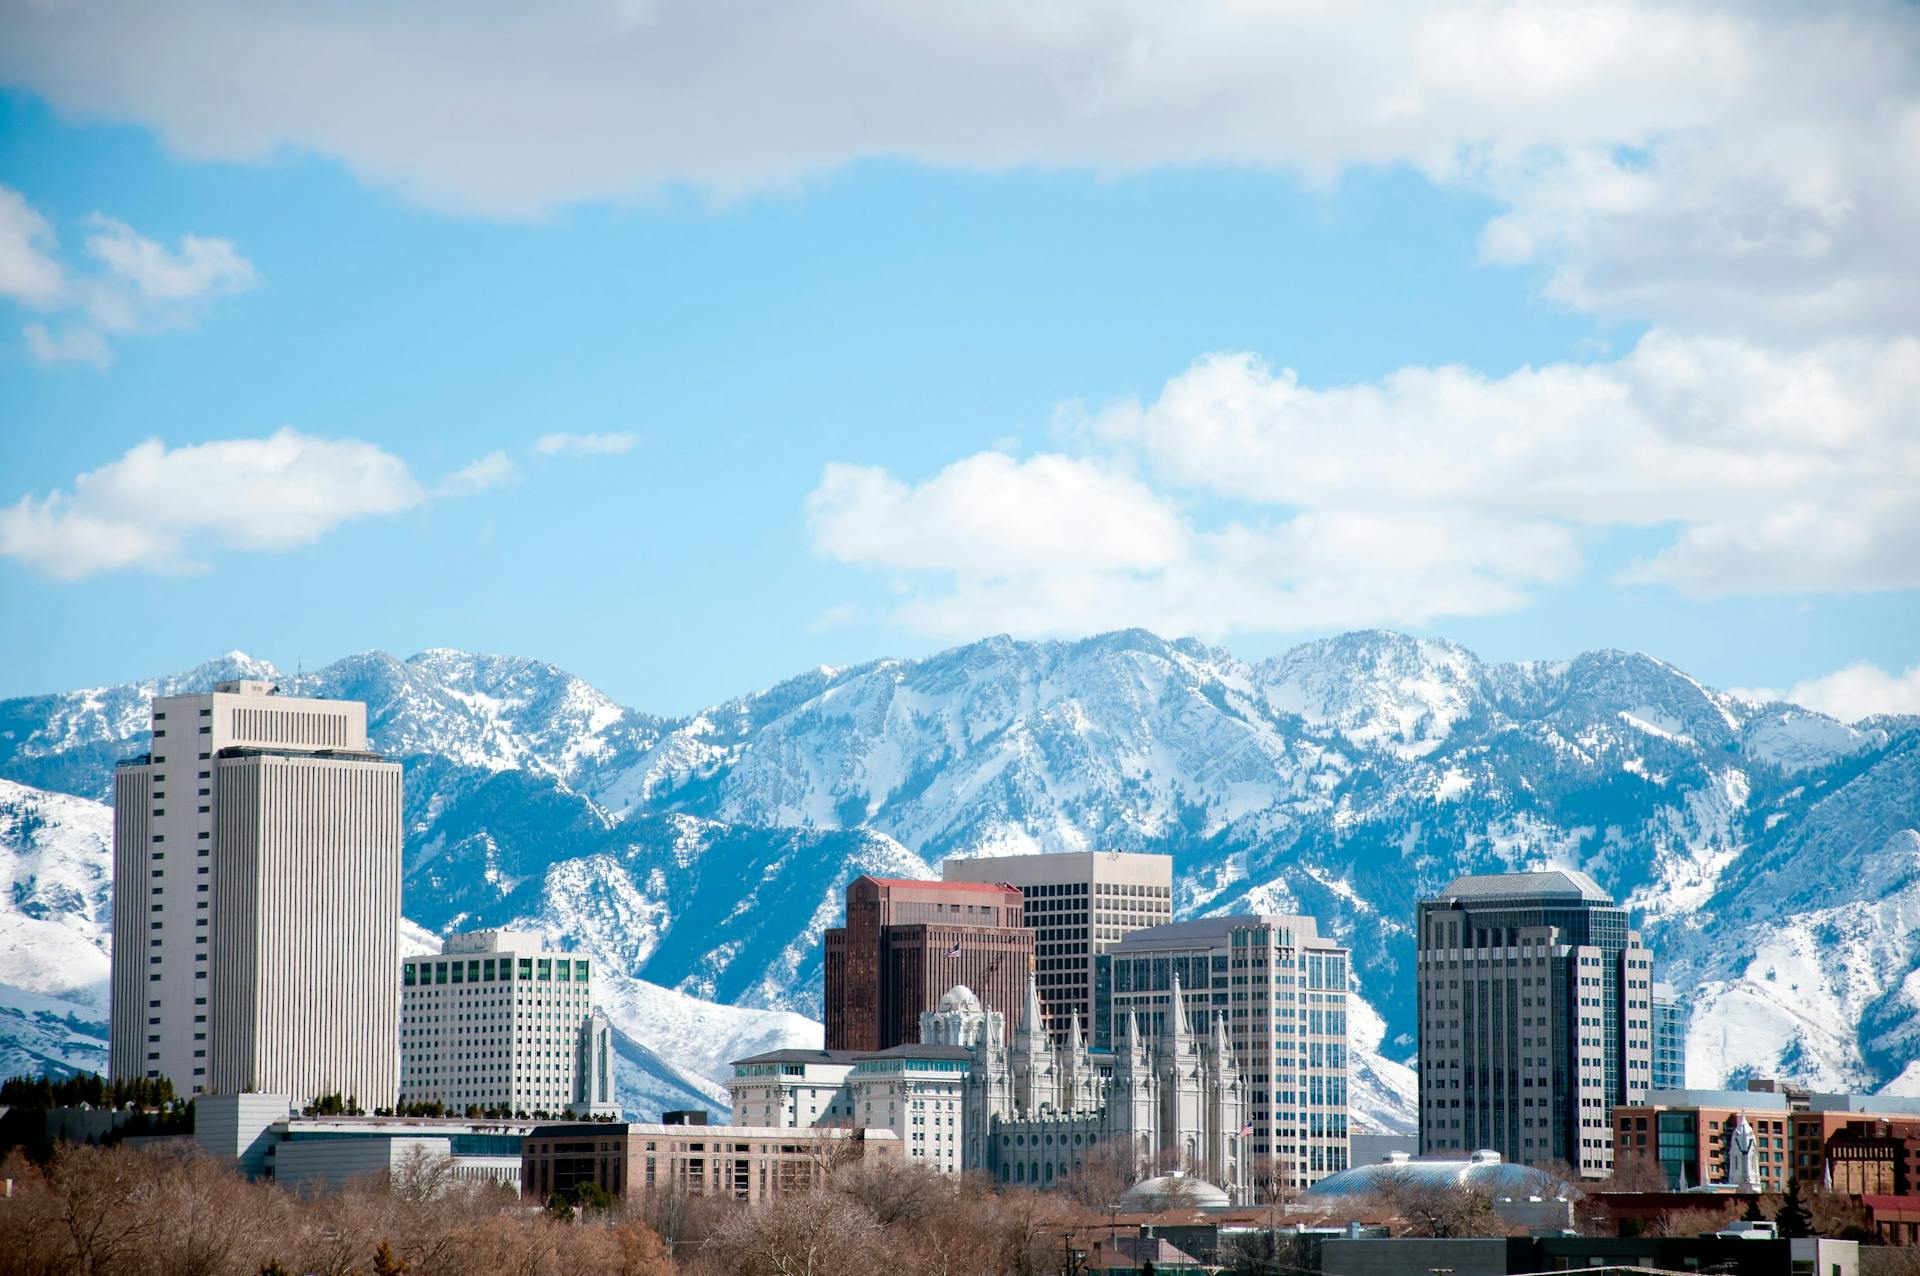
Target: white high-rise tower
x=256, y=882
x=499, y=1020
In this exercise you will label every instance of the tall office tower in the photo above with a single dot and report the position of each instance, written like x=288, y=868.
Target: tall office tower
x=1669, y=1039
x=256, y=885
x=1283, y=990
x=1079, y=904
x=906, y=942
x=497, y=1020
x=1536, y=1018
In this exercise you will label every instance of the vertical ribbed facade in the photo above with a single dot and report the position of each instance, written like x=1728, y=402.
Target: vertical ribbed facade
x=132, y=866
x=305, y=988
x=256, y=885
x=906, y=942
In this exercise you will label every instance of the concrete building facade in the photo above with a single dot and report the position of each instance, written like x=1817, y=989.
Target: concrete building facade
x=257, y=899
x=498, y=1021
x=1281, y=990
x=264, y=1136
x=1078, y=904
x=918, y=1094
x=906, y=942
x=1536, y=1018
x=747, y=1163
x=793, y=1089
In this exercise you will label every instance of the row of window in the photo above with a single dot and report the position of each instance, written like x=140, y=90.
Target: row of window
x=494, y=970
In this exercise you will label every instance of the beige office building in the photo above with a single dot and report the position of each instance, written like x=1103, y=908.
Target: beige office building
x=256, y=877
x=498, y=1020
x=1079, y=904
x=745, y=1162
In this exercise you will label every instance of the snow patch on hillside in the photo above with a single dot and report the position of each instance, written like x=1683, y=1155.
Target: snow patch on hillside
x=56, y=869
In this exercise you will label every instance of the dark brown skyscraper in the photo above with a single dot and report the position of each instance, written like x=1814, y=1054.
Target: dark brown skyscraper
x=907, y=942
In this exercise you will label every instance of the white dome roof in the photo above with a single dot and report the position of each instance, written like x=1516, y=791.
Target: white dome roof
x=959, y=997
x=1176, y=1188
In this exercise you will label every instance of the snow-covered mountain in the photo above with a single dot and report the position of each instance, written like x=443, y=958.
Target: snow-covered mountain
x=1343, y=778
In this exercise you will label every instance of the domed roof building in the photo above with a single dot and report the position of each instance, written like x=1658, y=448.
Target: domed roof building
x=1483, y=1170
x=959, y=998
x=1174, y=1190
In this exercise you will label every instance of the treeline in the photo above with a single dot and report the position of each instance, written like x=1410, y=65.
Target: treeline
x=157, y=1212
x=85, y=1087
x=160, y=1212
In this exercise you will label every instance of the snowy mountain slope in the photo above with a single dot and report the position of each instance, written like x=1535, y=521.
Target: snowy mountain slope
x=69, y=741
x=1824, y=924
x=40, y=1035
x=56, y=937
x=56, y=868
x=1344, y=778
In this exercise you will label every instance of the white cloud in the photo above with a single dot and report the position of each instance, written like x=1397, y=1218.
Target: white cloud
x=991, y=514
x=73, y=344
x=1850, y=694
x=149, y=508
x=198, y=267
x=141, y=285
x=1058, y=544
x=1785, y=472
x=1745, y=165
x=492, y=470
x=1435, y=492
x=30, y=273
x=584, y=444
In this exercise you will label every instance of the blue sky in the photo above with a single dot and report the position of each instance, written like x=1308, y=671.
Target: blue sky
x=897, y=394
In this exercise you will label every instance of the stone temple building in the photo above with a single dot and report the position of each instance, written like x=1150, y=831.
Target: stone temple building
x=1035, y=1108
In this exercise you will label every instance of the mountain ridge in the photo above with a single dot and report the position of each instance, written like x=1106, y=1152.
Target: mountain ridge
x=705, y=852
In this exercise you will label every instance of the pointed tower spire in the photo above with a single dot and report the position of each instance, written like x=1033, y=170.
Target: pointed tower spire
x=1031, y=1037
x=1177, y=1018
x=1128, y=1054
x=1075, y=1042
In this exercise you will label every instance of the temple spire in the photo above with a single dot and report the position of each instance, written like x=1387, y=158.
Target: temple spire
x=1177, y=1018
x=1075, y=1042
x=1032, y=1034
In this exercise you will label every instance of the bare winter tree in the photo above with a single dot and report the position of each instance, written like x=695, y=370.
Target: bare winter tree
x=1028, y=1226
x=1108, y=1170
x=815, y=1234
x=1273, y=1180
x=1635, y=1172
x=1440, y=1209
x=96, y=1192
x=1838, y=1215
x=893, y=1193
x=1694, y=1221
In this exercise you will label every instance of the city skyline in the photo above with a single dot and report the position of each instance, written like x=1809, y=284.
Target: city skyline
x=1241, y=611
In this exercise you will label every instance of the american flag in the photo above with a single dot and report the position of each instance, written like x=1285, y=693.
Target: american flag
x=1246, y=1131
x=955, y=950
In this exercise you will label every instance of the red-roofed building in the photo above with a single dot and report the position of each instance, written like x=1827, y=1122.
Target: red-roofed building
x=906, y=942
